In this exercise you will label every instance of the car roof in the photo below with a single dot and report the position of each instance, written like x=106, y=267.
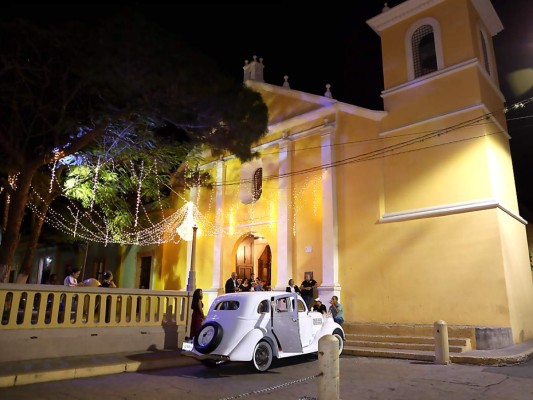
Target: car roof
x=253, y=296
x=248, y=300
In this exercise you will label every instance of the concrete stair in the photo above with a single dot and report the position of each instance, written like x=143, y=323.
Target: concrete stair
x=407, y=341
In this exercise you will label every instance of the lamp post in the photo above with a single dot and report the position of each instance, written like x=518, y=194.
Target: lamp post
x=191, y=283
x=187, y=231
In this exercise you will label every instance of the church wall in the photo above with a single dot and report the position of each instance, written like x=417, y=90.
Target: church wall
x=518, y=276
x=445, y=94
x=307, y=200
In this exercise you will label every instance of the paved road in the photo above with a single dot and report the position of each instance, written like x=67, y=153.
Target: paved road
x=294, y=378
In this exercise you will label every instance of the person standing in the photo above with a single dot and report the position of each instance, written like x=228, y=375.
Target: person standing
x=108, y=280
x=292, y=288
x=258, y=285
x=198, y=316
x=231, y=283
x=245, y=286
x=336, y=310
x=72, y=278
x=306, y=289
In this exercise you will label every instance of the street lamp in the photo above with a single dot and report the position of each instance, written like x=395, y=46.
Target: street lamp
x=191, y=284
x=187, y=231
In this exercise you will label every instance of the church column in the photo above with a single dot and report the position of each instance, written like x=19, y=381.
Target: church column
x=219, y=221
x=285, y=238
x=330, y=247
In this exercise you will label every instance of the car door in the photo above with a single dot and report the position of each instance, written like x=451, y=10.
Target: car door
x=285, y=324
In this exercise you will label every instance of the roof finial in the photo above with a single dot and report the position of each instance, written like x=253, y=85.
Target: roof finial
x=253, y=70
x=385, y=8
x=328, y=92
x=286, y=83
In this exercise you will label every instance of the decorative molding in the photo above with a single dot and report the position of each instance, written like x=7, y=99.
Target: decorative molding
x=432, y=119
x=374, y=115
x=449, y=209
x=438, y=74
x=488, y=16
x=491, y=81
x=311, y=98
x=429, y=77
x=450, y=114
x=399, y=13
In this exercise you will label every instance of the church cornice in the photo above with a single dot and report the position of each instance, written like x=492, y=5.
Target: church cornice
x=296, y=94
x=399, y=13
x=450, y=209
x=411, y=7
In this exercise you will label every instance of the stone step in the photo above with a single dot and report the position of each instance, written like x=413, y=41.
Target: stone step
x=402, y=346
x=408, y=339
x=418, y=355
x=410, y=330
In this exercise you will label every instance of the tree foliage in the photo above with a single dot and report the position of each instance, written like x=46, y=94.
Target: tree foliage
x=113, y=94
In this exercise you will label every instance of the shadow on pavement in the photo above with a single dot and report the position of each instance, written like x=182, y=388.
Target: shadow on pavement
x=197, y=370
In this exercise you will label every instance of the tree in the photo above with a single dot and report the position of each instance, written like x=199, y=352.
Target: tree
x=65, y=89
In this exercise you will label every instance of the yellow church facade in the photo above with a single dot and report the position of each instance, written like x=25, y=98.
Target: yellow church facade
x=409, y=215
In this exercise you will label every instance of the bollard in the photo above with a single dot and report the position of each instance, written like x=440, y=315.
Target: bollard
x=442, y=347
x=328, y=364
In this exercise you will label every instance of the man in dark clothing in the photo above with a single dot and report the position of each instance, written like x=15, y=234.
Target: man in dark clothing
x=306, y=290
x=321, y=308
x=231, y=283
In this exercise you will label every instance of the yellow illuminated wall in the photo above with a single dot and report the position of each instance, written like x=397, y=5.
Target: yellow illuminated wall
x=425, y=209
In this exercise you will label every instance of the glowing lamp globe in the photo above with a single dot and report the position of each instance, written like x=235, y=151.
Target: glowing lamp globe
x=185, y=230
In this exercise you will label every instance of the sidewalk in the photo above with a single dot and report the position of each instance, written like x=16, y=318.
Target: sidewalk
x=34, y=371
x=15, y=373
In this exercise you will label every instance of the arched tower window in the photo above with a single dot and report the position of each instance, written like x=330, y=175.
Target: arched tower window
x=424, y=54
x=423, y=48
x=257, y=184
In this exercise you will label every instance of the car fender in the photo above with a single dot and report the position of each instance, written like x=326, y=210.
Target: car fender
x=245, y=349
x=327, y=329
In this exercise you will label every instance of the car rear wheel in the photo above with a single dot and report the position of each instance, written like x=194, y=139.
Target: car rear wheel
x=340, y=337
x=208, y=337
x=263, y=356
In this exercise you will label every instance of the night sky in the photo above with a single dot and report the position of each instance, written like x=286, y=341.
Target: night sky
x=327, y=44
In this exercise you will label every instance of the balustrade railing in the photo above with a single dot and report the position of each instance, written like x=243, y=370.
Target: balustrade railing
x=52, y=306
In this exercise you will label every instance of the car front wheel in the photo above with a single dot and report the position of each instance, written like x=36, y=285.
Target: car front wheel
x=338, y=334
x=263, y=356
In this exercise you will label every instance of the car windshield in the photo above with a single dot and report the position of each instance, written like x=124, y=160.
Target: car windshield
x=227, y=305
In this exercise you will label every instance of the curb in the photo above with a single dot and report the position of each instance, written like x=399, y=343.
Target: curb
x=145, y=363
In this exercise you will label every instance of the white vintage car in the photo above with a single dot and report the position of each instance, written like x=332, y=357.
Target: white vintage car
x=258, y=326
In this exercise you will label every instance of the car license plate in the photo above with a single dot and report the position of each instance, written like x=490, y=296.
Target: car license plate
x=187, y=346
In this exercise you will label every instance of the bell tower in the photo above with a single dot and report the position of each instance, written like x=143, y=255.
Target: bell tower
x=438, y=58
x=451, y=166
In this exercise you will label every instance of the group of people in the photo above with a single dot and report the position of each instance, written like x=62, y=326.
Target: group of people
x=233, y=285
x=306, y=291
x=252, y=284
x=72, y=279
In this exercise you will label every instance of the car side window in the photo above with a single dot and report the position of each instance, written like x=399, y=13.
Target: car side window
x=301, y=306
x=263, y=307
x=281, y=305
x=227, y=305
